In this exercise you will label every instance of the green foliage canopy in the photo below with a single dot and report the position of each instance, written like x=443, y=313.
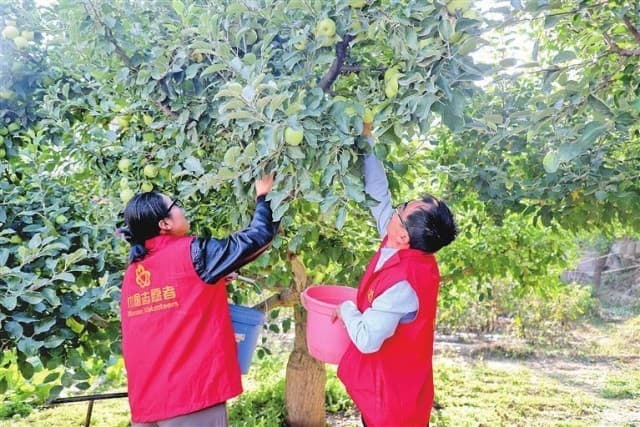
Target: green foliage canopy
x=204, y=93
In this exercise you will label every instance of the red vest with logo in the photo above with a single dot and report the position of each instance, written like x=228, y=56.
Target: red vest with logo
x=394, y=386
x=177, y=338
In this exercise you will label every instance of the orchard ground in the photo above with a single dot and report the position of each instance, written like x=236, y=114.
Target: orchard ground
x=592, y=378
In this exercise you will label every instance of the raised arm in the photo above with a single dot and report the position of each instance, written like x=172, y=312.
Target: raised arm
x=376, y=185
x=214, y=259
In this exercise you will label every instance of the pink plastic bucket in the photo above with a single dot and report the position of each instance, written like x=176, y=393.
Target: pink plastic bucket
x=327, y=338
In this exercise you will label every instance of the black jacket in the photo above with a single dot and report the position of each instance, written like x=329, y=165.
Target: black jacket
x=214, y=259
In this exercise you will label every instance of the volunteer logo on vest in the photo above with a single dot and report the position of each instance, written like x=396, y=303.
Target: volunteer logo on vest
x=370, y=296
x=158, y=298
x=143, y=276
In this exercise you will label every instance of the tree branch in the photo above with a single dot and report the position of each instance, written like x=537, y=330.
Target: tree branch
x=300, y=276
x=121, y=53
x=287, y=298
x=632, y=29
x=166, y=110
x=348, y=69
x=617, y=49
x=109, y=35
x=342, y=49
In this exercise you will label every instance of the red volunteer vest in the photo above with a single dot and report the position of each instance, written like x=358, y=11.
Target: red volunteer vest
x=394, y=386
x=177, y=338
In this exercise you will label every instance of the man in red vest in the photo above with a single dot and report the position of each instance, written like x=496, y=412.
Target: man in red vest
x=178, y=342
x=387, y=369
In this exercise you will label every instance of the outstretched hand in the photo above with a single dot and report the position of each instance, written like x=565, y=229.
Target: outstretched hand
x=264, y=184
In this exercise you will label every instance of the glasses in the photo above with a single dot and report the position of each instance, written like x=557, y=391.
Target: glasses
x=398, y=210
x=175, y=202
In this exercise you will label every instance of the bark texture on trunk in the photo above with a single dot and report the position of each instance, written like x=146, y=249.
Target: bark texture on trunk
x=305, y=381
x=600, y=264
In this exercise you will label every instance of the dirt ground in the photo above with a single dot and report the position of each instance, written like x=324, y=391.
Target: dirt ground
x=592, y=352
x=583, y=366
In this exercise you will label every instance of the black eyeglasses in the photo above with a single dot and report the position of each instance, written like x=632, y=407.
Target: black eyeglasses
x=398, y=210
x=175, y=202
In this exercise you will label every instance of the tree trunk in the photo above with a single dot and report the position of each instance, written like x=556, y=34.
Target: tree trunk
x=305, y=380
x=597, y=272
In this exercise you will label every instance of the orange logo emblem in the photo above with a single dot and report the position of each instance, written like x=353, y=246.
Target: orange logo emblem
x=370, y=295
x=143, y=276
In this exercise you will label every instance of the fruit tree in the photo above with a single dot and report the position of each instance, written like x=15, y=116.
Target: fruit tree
x=196, y=99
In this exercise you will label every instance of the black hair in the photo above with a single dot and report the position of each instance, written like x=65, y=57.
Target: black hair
x=142, y=215
x=431, y=228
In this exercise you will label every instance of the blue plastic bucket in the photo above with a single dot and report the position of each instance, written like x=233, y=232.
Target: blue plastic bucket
x=247, y=323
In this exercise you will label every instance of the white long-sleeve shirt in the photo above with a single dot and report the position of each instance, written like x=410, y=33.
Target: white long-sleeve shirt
x=399, y=303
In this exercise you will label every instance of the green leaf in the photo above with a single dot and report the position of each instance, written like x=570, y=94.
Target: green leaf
x=65, y=277
x=295, y=153
x=192, y=70
x=380, y=150
x=279, y=212
x=143, y=77
x=28, y=346
x=354, y=192
x=35, y=241
x=67, y=379
x=211, y=69
x=274, y=328
x=451, y=119
x=81, y=374
x=445, y=29
x=313, y=196
x=551, y=162
x=411, y=38
x=224, y=173
x=10, y=302
x=568, y=152
x=328, y=203
x=341, y=217
x=591, y=132
x=599, y=106
x=44, y=326
x=276, y=198
x=51, y=377
x=178, y=6
x=26, y=368
x=53, y=341
x=237, y=115
x=14, y=329
x=232, y=155
x=193, y=165
x=55, y=391
x=50, y=295
x=4, y=256
x=286, y=325
x=508, y=62
x=565, y=55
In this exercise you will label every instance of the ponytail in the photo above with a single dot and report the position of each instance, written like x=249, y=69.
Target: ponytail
x=138, y=251
x=142, y=215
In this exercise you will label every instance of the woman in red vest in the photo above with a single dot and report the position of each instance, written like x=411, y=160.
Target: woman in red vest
x=178, y=342
x=387, y=369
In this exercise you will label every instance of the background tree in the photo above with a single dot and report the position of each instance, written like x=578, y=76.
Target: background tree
x=55, y=249
x=556, y=135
